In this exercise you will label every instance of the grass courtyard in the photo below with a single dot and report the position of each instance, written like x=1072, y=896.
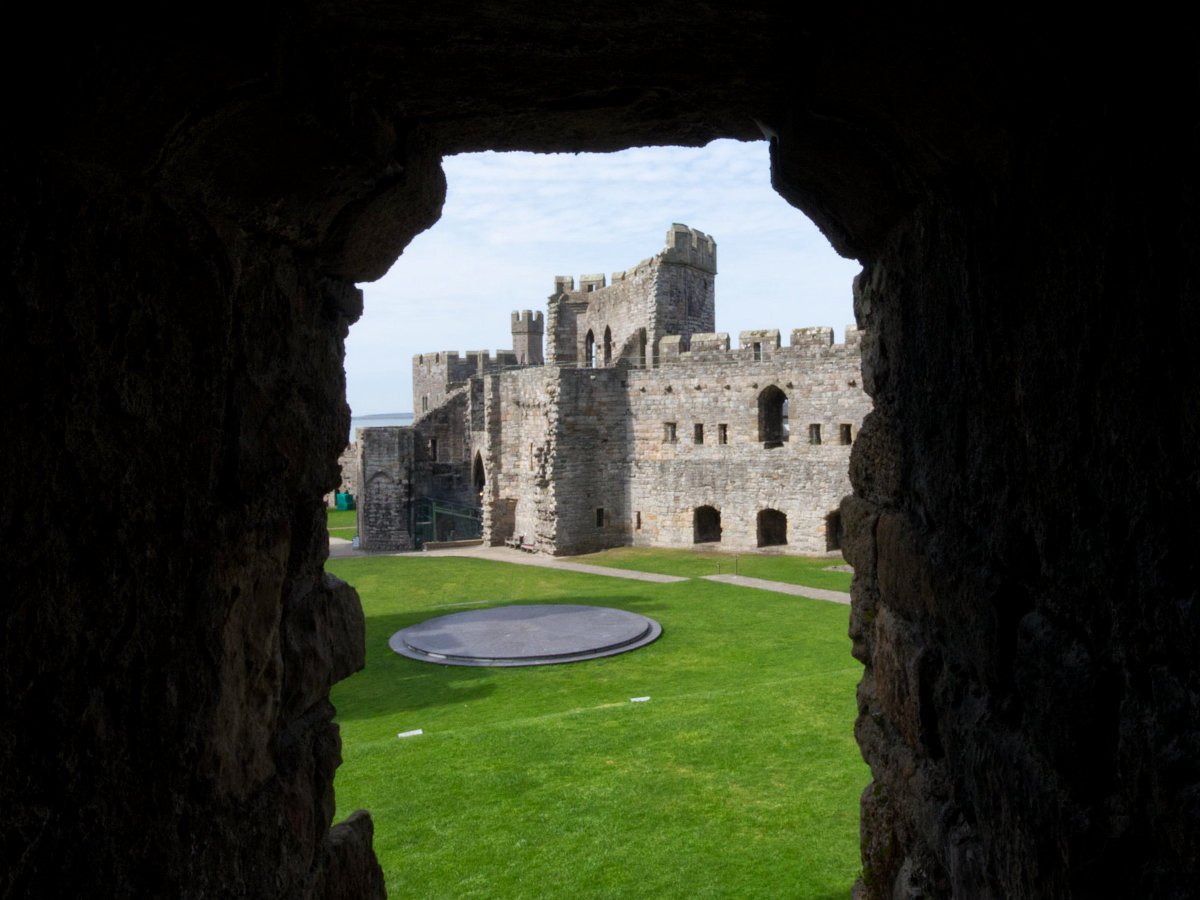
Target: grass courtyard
x=739, y=777
x=342, y=523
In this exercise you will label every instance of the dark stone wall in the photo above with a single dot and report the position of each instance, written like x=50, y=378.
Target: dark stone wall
x=187, y=205
x=1024, y=533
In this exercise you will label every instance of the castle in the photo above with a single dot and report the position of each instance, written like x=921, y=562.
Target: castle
x=637, y=425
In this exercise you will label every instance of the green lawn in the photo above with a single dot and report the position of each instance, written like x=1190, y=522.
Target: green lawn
x=738, y=778
x=342, y=523
x=807, y=570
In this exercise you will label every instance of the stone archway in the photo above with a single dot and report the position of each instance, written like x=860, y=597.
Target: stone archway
x=772, y=528
x=184, y=265
x=772, y=403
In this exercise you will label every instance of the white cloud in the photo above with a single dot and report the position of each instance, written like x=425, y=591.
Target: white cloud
x=512, y=221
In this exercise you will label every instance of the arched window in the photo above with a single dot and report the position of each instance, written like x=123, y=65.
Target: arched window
x=478, y=478
x=772, y=528
x=589, y=350
x=706, y=525
x=772, y=417
x=607, y=345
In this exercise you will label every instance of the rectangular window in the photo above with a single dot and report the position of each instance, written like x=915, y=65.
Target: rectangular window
x=722, y=434
x=844, y=434
x=757, y=351
x=668, y=432
x=814, y=434
x=433, y=448
x=600, y=517
x=698, y=433
x=638, y=524
x=425, y=403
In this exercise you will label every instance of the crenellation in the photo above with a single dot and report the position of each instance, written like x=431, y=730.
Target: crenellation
x=644, y=426
x=812, y=337
x=692, y=247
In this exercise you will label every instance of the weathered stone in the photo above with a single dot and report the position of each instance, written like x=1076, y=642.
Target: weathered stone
x=609, y=444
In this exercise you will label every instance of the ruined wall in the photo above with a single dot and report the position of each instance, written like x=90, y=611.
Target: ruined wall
x=348, y=480
x=386, y=462
x=520, y=448
x=589, y=459
x=712, y=386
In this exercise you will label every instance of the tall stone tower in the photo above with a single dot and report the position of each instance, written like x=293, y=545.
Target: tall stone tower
x=527, y=330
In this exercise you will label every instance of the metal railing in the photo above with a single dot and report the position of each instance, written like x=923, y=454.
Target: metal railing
x=440, y=520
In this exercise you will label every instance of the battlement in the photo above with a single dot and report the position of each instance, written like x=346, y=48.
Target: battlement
x=684, y=245
x=526, y=321
x=690, y=247
x=459, y=367
x=757, y=346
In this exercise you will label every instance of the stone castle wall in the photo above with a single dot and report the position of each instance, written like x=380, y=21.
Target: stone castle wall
x=519, y=458
x=572, y=458
x=436, y=375
x=634, y=450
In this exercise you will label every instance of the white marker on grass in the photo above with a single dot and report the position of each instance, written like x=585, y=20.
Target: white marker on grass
x=412, y=733
x=638, y=699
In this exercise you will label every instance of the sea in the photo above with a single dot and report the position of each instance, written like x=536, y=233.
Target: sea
x=379, y=420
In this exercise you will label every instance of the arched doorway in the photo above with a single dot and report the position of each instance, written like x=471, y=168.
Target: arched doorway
x=608, y=343
x=772, y=528
x=706, y=525
x=833, y=531
x=589, y=350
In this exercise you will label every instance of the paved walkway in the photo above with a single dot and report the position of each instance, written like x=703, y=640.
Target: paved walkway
x=509, y=555
x=797, y=590
x=341, y=548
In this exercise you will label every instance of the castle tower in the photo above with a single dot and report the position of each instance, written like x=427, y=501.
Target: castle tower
x=527, y=331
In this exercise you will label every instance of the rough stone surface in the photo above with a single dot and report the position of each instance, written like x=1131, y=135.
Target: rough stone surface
x=188, y=202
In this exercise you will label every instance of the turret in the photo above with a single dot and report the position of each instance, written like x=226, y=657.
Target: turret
x=527, y=331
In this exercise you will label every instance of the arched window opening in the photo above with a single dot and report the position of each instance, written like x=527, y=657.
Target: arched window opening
x=706, y=525
x=772, y=417
x=589, y=350
x=772, y=528
x=607, y=345
x=478, y=478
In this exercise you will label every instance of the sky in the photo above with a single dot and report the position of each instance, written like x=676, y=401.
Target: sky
x=513, y=221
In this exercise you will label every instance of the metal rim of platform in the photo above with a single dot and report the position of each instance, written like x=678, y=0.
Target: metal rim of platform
x=525, y=635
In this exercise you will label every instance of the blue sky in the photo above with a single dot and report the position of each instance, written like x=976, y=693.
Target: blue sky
x=512, y=221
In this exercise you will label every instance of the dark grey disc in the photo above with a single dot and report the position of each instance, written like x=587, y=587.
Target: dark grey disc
x=525, y=635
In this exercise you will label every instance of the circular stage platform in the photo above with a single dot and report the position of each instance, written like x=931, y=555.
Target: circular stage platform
x=525, y=635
